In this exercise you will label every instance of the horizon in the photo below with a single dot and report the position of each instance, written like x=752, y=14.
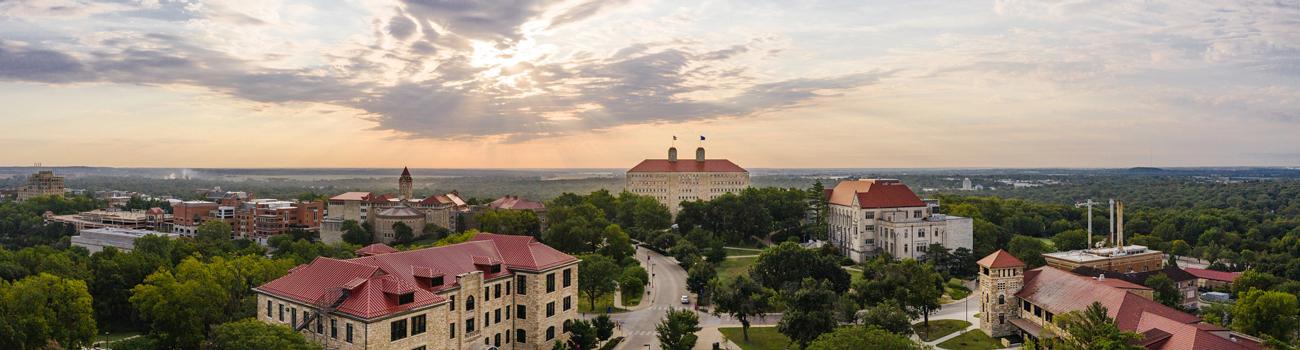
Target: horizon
x=556, y=84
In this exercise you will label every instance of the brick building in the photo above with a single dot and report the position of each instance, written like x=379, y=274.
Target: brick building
x=508, y=292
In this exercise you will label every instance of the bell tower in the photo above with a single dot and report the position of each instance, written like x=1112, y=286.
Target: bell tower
x=404, y=185
x=1001, y=275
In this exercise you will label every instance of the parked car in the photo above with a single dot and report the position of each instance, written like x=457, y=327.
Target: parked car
x=686, y=300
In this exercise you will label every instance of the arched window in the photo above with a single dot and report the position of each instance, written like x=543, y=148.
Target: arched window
x=469, y=303
x=550, y=332
x=1002, y=299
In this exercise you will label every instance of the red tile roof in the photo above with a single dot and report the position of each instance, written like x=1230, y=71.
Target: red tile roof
x=686, y=166
x=375, y=249
x=871, y=194
x=1000, y=259
x=1162, y=327
x=511, y=202
x=375, y=281
x=1213, y=275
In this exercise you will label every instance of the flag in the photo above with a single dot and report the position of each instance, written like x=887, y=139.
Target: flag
x=701, y=137
x=674, y=137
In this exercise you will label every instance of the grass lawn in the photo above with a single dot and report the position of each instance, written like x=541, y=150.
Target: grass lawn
x=730, y=268
x=973, y=340
x=760, y=338
x=956, y=292
x=732, y=251
x=938, y=328
x=601, y=303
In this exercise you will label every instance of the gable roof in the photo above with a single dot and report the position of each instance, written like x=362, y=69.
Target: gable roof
x=514, y=202
x=1000, y=259
x=871, y=194
x=374, y=281
x=351, y=196
x=375, y=249
x=687, y=166
x=1059, y=291
x=1213, y=275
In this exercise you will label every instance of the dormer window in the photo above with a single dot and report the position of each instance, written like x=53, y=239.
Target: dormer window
x=405, y=298
x=436, y=281
x=496, y=268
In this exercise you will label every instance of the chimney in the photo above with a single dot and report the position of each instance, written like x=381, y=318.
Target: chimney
x=699, y=154
x=1101, y=277
x=672, y=154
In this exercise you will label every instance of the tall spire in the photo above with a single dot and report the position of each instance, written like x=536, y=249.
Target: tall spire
x=405, y=185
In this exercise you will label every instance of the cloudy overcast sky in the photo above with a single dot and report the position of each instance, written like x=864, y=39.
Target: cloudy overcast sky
x=605, y=83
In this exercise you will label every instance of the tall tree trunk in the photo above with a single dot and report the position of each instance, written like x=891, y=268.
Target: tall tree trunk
x=744, y=328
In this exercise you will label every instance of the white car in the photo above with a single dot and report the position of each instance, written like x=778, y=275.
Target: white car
x=686, y=300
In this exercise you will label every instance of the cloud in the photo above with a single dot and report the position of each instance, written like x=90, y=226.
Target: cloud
x=39, y=65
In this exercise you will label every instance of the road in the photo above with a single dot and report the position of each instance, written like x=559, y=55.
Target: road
x=668, y=284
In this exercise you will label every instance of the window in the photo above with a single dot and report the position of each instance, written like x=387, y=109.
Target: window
x=469, y=326
x=507, y=287
x=521, y=283
x=487, y=293
x=550, y=309
x=418, y=324
x=421, y=347
x=281, y=312
x=293, y=317
x=869, y=215
x=320, y=326
x=436, y=281
x=550, y=333
x=496, y=339
x=521, y=336
x=334, y=328
x=453, y=303
x=1002, y=299
x=1002, y=318
x=469, y=304
x=405, y=298
x=496, y=316
x=452, y=331
x=568, y=277
x=550, y=282
x=920, y=233
x=349, y=333
x=397, y=330
x=487, y=319
x=1025, y=306
x=268, y=309
x=496, y=291
x=567, y=303
x=916, y=213
x=521, y=312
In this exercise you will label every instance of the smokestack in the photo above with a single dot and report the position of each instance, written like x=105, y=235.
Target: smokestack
x=672, y=154
x=1119, y=225
x=699, y=154
x=1111, y=224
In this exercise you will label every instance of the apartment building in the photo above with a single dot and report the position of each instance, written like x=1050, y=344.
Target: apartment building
x=507, y=292
x=42, y=183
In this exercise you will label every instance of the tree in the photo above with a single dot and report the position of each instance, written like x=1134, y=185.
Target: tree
x=353, y=233
x=810, y=312
x=402, y=232
x=1164, y=289
x=574, y=228
x=1252, y=279
x=788, y=264
x=846, y=309
x=1091, y=329
x=115, y=274
x=582, y=335
x=604, y=327
x=686, y=253
x=618, y=246
x=596, y=274
x=860, y=337
x=913, y=285
x=1271, y=313
x=1029, y=249
x=697, y=280
x=742, y=299
x=214, y=238
x=212, y=293
x=1071, y=240
x=511, y=222
x=251, y=334
x=677, y=330
x=633, y=280
x=888, y=316
x=45, y=308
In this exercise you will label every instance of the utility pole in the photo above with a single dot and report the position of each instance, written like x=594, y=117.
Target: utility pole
x=1088, y=204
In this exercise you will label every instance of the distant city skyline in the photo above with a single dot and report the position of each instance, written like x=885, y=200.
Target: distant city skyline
x=605, y=84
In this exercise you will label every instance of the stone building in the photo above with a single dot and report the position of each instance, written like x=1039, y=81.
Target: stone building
x=42, y=183
x=869, y=217
x=1127, y=259
x=507, y=292
x=1024, y=304
x=672, y=181
x=440, y=210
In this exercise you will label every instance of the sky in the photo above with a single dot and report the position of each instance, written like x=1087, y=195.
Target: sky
x=606, y=83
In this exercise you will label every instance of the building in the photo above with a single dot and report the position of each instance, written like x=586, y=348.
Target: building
x=870, y=217
x=42, y=183
x=1023, y=303
x=261, y=218
x=1211, y=279
x=507, y=292
x=1132, y=258
x=1183, y=281
x=96, y=239
x=672, y=181
x=362, y=207
x=187, y=215
x=153, y=219
x=965, y=185
x=512, y=202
